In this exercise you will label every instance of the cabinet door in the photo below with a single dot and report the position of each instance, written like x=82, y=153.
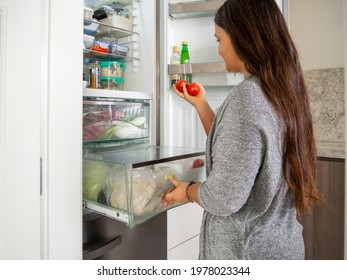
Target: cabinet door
x=20, y=42
x=40, y=118
x=188, y=250
x=183, y=224
x=324, y=226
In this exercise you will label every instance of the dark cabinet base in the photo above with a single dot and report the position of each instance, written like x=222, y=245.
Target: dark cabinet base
x=324, y=226
x=108, y=239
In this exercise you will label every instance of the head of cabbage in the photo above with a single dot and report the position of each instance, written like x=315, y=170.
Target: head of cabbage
x=94, y=174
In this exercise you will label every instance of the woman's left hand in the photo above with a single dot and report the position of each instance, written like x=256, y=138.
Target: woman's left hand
x=177, y=193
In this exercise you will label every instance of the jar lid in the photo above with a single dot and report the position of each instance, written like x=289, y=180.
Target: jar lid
x=176, y=48
x=108, y=63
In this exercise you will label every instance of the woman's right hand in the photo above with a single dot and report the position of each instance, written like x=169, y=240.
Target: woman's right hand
x=201, y=105
x=194, y=100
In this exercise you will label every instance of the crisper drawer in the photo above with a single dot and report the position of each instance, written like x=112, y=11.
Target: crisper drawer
x=128, y=185
x=108, y=121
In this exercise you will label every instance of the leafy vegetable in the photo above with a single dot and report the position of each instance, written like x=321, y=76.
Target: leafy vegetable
x=94, y=174
x=124, y=130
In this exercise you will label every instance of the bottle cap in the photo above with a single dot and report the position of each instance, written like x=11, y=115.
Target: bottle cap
x=176, y=48
x=185, y=43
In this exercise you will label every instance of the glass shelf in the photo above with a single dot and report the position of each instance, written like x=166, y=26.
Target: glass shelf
x=105, y=94
x=91, y=54
x=150, y=155
x=105, y=30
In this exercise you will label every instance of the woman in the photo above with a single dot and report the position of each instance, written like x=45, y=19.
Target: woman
x=260, y=149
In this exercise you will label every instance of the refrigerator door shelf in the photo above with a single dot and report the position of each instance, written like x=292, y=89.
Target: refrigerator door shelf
x=198, y=68
x=194, y=9
x=128, y=185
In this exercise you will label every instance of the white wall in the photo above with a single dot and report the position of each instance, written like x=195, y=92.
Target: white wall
x=317, y=30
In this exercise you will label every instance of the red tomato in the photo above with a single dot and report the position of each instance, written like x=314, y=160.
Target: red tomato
x=198, y=163
x=193, y=89
x=179, y=85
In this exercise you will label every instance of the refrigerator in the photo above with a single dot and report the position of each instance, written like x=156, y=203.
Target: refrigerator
x=137, y=131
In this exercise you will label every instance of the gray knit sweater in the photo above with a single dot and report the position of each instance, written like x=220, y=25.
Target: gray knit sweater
x=249, y=211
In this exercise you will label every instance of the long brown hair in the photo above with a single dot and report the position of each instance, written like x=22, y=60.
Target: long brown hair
x=261, y=39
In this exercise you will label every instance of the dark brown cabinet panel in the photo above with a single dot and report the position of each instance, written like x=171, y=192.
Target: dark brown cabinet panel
x=324, y=226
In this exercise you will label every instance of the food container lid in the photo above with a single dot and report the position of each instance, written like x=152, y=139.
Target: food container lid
x=101, y=43
x=120, y=47
x=108, y=63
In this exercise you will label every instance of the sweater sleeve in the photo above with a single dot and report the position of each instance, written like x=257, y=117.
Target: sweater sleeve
x=237, y=153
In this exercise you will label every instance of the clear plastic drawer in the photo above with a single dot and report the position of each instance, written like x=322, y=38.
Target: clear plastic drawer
x=116, y=122
x=128, y=185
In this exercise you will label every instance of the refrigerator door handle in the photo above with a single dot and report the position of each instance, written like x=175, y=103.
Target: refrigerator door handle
x=96, y=249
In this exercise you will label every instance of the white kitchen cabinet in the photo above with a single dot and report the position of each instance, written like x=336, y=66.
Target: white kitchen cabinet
x=20, y=129
x=40, y=127
x=189, y=250
x=184, y=223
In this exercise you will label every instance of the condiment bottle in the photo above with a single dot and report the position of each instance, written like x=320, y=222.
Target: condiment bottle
x=175, y=59
x=185, y=59
x=94, y=74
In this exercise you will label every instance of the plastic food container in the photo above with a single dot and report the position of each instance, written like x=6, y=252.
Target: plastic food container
x=88, y=12
x=100, y=46
x=117, y=49
x=90, y=27
x=88, y=41
x=118, y=22
x=111, y=74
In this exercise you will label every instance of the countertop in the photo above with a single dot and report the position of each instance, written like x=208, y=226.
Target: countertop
x=331, y=149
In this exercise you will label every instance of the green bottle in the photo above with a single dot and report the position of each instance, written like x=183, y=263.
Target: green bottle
x=185, y=59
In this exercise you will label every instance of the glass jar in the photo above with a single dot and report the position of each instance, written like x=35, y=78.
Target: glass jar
x=94, y=74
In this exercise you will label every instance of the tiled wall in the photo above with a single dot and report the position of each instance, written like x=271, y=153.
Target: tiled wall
x=326, y=89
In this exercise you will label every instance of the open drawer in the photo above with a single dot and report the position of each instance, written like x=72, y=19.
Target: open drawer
x=128, y=185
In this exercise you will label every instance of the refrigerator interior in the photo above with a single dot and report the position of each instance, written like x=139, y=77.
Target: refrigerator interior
x=104, y=237
x=142, y=78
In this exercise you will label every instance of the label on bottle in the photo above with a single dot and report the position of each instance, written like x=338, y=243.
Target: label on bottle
x=174, y=78
x=94, y=75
